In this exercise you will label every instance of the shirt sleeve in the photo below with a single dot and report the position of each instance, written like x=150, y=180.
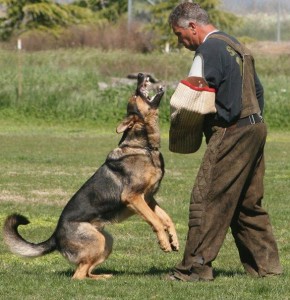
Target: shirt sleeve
x=212, y=66
x=222, y=72
x=197, y=66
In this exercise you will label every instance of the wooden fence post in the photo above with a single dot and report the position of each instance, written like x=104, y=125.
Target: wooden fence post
x=19, y=54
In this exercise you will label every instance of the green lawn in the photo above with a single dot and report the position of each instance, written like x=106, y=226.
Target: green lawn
x=42, y=166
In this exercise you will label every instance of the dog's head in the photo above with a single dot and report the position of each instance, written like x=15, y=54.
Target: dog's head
x=142, y=90
x=141, y=108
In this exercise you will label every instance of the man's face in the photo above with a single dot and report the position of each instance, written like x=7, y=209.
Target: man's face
x=186, y=36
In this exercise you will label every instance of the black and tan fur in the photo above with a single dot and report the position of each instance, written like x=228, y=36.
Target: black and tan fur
x=124, y=185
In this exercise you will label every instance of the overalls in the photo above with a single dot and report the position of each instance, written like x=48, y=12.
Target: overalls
x=228, y=191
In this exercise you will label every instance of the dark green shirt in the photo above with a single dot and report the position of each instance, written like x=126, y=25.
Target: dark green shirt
x=222, y=69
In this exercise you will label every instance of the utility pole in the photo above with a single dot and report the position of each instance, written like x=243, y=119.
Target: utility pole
x=279, y=22
x=129, y=15
x=19, y=50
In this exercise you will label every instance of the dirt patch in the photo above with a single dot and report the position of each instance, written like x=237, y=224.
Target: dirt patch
x=47, y=193
x=37, y=197
x=7, y=196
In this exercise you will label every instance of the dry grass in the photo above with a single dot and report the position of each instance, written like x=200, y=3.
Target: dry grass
x=111, y=36
x=270, y=48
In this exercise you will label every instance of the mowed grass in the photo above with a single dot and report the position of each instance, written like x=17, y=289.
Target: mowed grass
x=42, y=167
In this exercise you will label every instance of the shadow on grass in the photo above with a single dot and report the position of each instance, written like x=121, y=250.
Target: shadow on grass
x=227, y=273
x=152, y=272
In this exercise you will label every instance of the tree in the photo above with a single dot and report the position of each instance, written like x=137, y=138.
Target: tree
x=111, y=10
x=159, y=23
x=23, y=15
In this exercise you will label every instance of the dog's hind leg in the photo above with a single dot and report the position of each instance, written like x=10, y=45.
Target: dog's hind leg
x=108, y=245
x=84, y=271
x=167, y=222
x=87, y=247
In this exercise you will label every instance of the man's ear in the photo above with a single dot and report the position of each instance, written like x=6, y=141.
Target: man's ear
x=192, y=26
x=128, y=122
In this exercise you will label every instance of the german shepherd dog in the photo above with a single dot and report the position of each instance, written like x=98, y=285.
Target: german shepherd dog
x=124, y=185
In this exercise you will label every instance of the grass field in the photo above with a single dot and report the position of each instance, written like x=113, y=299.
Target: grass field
x=42, y=166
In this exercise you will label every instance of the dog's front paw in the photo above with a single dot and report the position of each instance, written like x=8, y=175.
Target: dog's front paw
x=175, y=246
x=174, y=242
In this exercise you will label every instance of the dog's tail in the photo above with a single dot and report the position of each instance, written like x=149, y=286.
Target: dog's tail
x=18, y=244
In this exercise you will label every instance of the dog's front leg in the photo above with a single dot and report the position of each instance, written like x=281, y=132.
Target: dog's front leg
x=167, y=222
x=136, y=203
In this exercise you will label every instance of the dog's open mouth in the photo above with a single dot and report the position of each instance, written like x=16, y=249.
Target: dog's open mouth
x=144, y=89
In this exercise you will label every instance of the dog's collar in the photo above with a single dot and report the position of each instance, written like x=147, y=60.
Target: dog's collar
x=148, y=148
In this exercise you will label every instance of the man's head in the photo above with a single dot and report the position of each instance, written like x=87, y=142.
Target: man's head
x=189, y=22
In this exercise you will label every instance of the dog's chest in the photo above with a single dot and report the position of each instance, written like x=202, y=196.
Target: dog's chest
x=142, y=166
x=153, y=173
x=157, y=162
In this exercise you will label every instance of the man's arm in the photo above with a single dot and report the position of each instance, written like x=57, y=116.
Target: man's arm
x=259, y=93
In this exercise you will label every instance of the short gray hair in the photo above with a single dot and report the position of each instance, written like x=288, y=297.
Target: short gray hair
x=185, y=12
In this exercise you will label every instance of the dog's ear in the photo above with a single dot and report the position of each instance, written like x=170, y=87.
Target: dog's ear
x=127, y=123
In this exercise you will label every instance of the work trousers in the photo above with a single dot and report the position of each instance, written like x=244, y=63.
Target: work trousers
x=228, y=193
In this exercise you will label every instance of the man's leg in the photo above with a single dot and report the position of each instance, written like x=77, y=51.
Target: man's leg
x=207, y=227
x=252, y=230
x=229, y=158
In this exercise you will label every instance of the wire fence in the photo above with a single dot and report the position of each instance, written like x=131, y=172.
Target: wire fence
x=263, y=19
x=257, y=6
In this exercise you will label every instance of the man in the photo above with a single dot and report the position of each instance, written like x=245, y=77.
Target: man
x=228, y=190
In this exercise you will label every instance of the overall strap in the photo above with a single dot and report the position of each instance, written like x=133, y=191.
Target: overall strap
x=250, y=103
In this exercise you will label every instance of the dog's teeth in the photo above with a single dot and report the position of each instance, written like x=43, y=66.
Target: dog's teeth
x=147, y=81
